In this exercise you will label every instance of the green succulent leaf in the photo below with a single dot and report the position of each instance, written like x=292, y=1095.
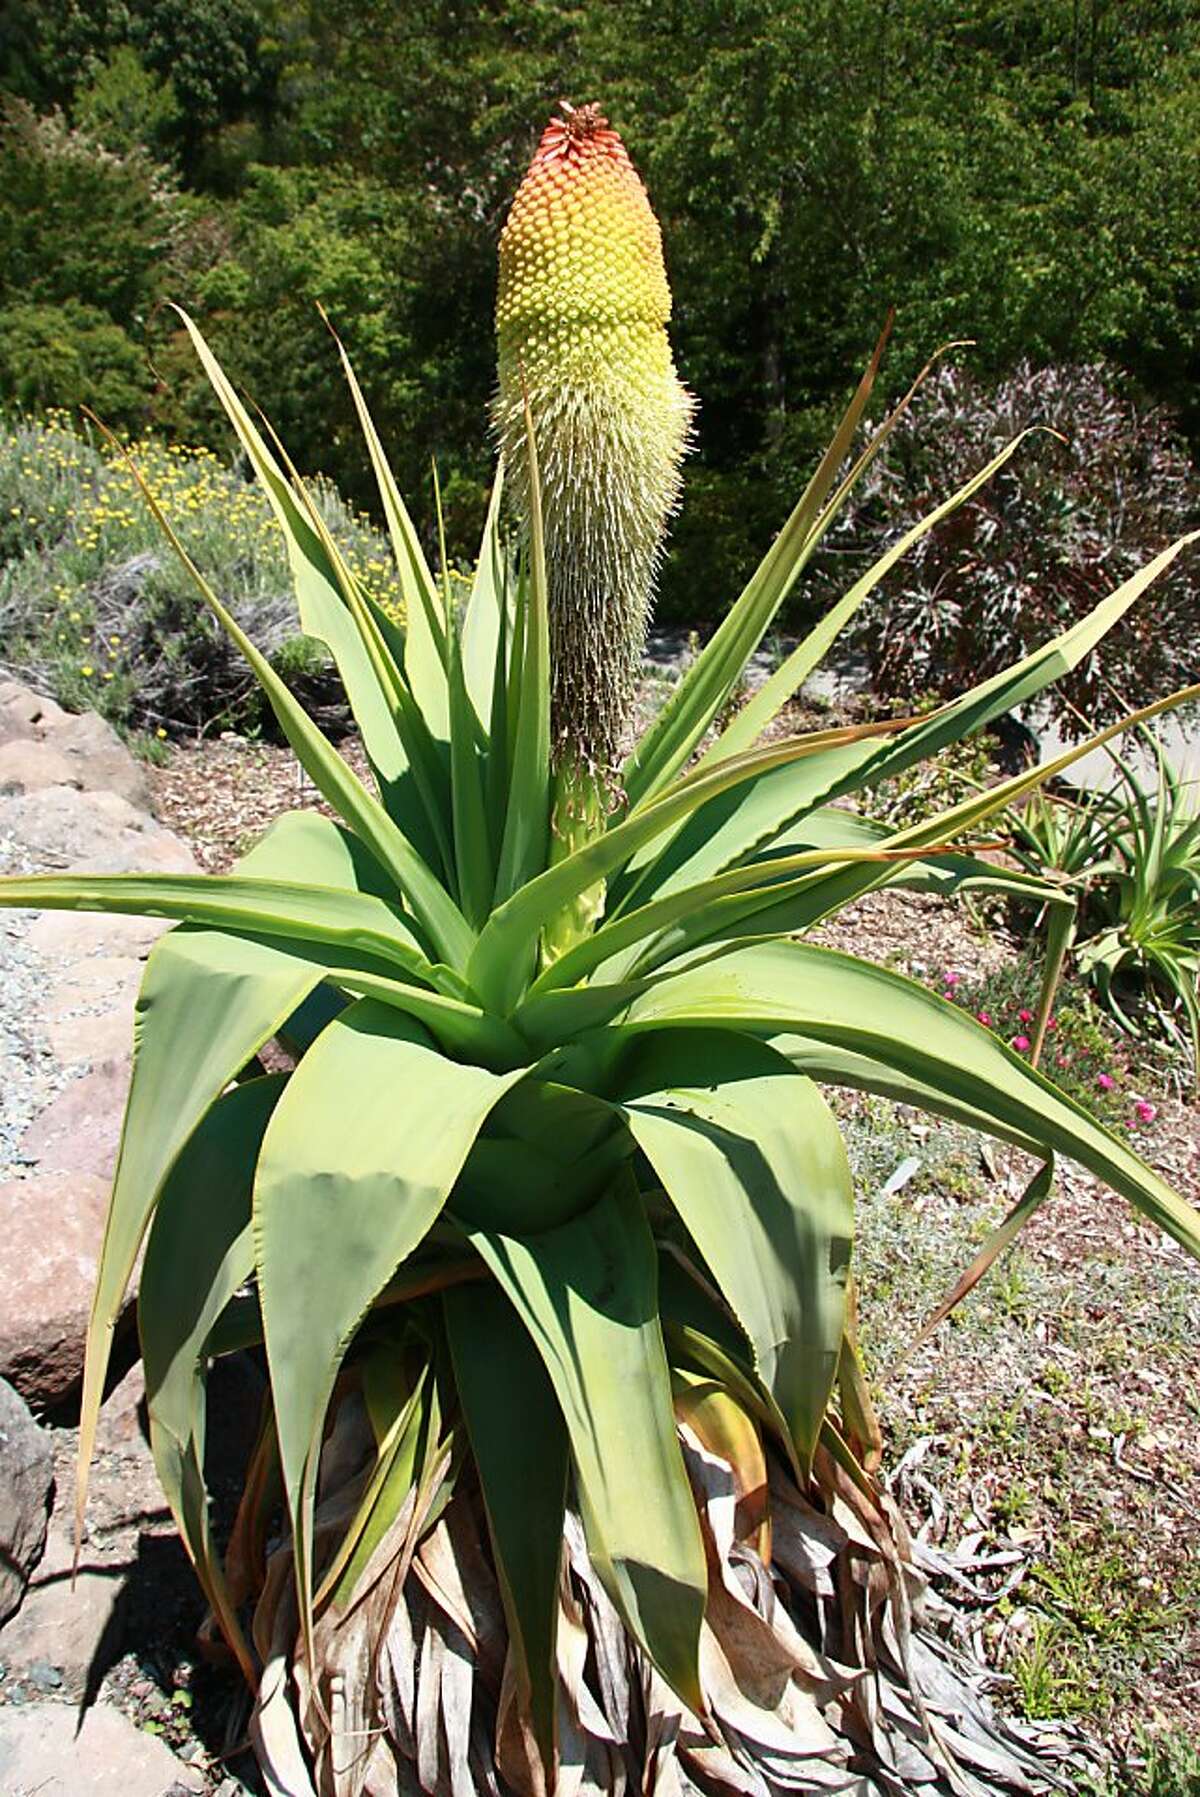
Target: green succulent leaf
x=705, y=688
x=587, y=1294
x=749, y=1154
x=776, y=987
x=425, y=658
x=208, y=1003
x=358, y=1161
x=519, y=1441
x=735, y=824
x=199, y=1252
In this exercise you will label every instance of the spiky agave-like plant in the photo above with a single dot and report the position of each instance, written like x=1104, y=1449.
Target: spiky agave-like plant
x=549, y=1253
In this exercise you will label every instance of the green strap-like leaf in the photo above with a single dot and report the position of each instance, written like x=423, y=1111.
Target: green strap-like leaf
x=323, y=610
x=357, y=1163
x=773, y=987
x=820, y=897
x=351, y=923
x=499, y=965
x=520, y=1445
x=587, y=1294
x=308, y=846
x=527, y=821
x=834, y=1066
x=1000, y=1238
x=485, y=625
x=732, y=827
x=200, y=1251
x=425, y=658
x=208, y=1003
x=699, y=696
x=335, y=780
x=751, y=1158
x=774, y=693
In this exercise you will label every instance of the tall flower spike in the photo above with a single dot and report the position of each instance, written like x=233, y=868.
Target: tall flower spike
x=581, y=317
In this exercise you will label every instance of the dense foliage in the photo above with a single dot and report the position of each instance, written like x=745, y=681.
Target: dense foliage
x=95, y=611
x=1088, y=498
x=812, y=165
x=1130, y=853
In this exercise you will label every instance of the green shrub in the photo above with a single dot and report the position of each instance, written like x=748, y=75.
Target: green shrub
x=1035, y=549
x=1131, y=853
x=94, y=610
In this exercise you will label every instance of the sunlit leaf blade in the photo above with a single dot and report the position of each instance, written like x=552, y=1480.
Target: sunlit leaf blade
x=765, y=705
x=705, y=909
x=586, y=1292
x=199, y=1252
x=836, y=1066
x=498, y=965
x=356, y=924
x=751, y=1158
x=484, y=625
x=468, y=779
x=527, y=820
x=836, y=889
x=308, y=846
x=707, y=684
x=425, y=640
x=732, y=827
x=519, y=1441
x=1005, y=1232
x=207, y=1004
x=774, y=987
x=358, y=1160
x=323, y=609
x=337, y=783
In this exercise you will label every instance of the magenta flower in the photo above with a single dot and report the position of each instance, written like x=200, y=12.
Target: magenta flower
x=1025, y=1016
x=951, y=979
x=1064, y=1060
x=1020, y=1043
x=1105, y=1081
x=1052, y=1023
x=1146, y=1112
x=984, y=1017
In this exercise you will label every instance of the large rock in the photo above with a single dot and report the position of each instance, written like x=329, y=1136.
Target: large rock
x=24, y=714
x=59, y=827
x=41, y=745
x=99, y=757
x=48, y=1749
x=51, y=1226
x=26, y=1488
x=80, y=1130
x=27, y=766
x=73, y=982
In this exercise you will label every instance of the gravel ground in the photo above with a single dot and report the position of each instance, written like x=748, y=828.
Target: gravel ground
x=29, y=1075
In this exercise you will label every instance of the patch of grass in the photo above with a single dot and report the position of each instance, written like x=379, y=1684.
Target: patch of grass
x=1054, y=1413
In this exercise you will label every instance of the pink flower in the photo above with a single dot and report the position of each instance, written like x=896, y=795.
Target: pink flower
x=1146, y=1112
x=1020, y=1043
x=984, y=1017
x=1025, y=1016
x=1064, y=1060
x=1052, y=1023
x=1105, y=1081
x=951, y=979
